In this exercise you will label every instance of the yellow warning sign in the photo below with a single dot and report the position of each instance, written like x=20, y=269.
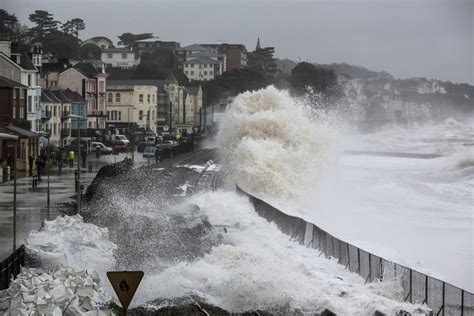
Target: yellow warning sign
x=125, y=284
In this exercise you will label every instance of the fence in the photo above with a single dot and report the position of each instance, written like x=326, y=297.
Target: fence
x=441, y=297
x=11, y=267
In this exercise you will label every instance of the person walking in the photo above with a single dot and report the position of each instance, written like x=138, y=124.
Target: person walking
x=39, y=167
x=31, y=162
x=71, y=158
x=59, y=159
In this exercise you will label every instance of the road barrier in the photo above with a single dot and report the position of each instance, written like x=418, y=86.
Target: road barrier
x=443, y=298
x=11, y=266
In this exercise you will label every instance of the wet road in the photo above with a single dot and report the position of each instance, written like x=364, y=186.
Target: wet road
x=32, y=208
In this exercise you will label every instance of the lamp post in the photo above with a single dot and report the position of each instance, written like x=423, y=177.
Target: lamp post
x=47, y=164
x=78, y=161
x=128, y=117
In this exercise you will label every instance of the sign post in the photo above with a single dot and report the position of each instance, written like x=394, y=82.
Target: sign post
x=125, y=284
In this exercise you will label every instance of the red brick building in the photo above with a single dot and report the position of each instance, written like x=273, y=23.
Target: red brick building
x=12, y=100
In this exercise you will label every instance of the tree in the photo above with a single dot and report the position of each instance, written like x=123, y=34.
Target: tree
x=233, y=82
x=61, y=45
x=318, y=78
x=262, y=61
x=74, y=26
x=90, y=51
x=127, y=39
x=8, y=22
x=155, y=65
x=45, y=24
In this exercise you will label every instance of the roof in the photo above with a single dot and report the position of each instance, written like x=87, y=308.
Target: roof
x=201, y=60
x=195, y=47
x=48, y=96
x=26, y=63
x=205, y=54
x=117, y=50
x=11, y=129
x=8, y=83
x=87, y=69
x=139, y=82
x=96, y=39
x=57, y=96
x=192, y=90
x=149, y=40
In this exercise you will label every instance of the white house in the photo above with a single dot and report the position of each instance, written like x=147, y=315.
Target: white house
x=20, y=68
x=119, y=57
x=131, y=105
x=200, y=63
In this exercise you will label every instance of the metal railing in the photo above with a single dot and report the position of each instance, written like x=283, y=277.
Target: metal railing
x=11, y=267
x=443, y=298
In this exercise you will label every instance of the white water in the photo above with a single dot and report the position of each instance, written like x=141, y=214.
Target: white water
x=417, y=212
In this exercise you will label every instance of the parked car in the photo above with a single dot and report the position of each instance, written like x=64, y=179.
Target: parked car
x=120, y=140
x=102, y=148
x=168, y=144
x=151, y=151
x=141, y=146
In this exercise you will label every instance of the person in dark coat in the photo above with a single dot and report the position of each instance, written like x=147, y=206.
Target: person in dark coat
x=31, y=162
x=59, y=159
x=39, y=167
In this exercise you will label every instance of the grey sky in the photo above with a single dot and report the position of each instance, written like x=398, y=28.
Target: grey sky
x=419, y=38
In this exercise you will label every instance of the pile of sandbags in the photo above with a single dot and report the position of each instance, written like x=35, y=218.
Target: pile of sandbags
x=65, y=291
x=69, y=242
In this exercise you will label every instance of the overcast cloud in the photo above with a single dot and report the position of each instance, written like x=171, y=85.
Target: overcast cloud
x=421, y=38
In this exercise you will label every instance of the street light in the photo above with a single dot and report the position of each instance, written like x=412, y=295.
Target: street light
x=78, y=160
x=47, y=165
x=128, y=117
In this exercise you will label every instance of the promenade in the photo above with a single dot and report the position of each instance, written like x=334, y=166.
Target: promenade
x=32, y=207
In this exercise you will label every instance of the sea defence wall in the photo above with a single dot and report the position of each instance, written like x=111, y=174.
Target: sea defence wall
x=443, y=298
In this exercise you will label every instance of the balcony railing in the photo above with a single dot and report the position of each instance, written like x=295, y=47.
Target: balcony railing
x=96, y=113
x=45, y=115
x=65, y=115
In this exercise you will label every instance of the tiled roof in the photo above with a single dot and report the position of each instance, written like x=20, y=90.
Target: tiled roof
x=26, y=63
x=192, y=90
x=7, y=83
x=87, y=69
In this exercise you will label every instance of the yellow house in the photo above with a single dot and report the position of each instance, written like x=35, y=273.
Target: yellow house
x=28, y=144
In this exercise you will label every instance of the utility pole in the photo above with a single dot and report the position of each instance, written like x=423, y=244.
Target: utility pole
x=14, y=194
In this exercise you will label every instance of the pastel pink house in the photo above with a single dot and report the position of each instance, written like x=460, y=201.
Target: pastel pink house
x=90, y=83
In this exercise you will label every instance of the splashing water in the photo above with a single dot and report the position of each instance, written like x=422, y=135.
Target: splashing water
x=270, y=145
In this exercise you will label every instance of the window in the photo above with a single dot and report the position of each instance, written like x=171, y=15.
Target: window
x=192, y=65
x=14, y=93
x=152, y=115
x=192, y=73
x=148, y=98
x=186, y=72
x=109, y=55
x=153, y=98
x=117, y=97
x=54, y=111
x=205, y=73
x=124, y=56
x=29, y=104
x=211, y=73
x=55, y=126
x=140, y=98
x=119, y=115
x=22, y=94
x=29, y=80
x=108, y=115
x=110, y=97
x=140, y=115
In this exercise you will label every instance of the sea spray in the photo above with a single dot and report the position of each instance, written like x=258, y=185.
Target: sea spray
x=270, y=145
